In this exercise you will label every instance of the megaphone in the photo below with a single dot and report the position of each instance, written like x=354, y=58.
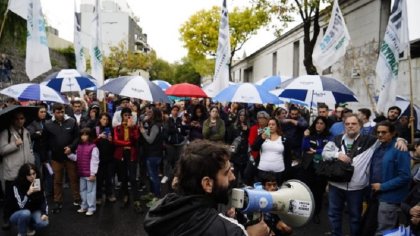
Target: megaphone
x=293, y=202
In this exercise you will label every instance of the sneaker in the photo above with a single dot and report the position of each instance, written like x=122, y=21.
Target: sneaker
x=90, y=213
x=81, y=210
x=31, y=232
x=112, y=199
x=98, y=201
x=164, y=180
x=76, y=203
x=57, y=208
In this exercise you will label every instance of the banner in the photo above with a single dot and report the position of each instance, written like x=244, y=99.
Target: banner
x=78, y=48
x=334, y=43
x=37, y=52
x=20, y=7
x=96, y=56
x=221, y=70
x=395, y=42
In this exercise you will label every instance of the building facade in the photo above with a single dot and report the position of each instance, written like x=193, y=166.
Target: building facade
x=366, y=21
x=119, y=25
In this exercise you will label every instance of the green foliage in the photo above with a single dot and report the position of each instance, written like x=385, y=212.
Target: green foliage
x=68, y=54
x=185, y=72
x=161, y=70
x=14, y=32
x=200, y=34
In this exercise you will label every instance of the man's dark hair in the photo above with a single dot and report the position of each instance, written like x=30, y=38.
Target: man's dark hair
x=293, y=108
x=125, y=110
x=366, y=112
x=323, y=105
x=395, y=108
x=199, y=159
x=391, y=126
x=57, y=107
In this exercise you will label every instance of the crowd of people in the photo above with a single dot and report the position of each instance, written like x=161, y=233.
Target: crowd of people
x=200, y=149
x=6, y=68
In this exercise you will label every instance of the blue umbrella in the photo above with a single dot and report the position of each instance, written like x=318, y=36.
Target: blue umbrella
x=70, y=80
x=270, y=82
x=247, y=93
x=162, y=84
x=33, y=92
x=136, y=87
x=315, y=88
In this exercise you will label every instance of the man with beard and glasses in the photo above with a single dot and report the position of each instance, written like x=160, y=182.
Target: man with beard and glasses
x=203, y=180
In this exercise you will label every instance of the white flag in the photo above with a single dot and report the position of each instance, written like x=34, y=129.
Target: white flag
x=78, y=48
x=395, y=42
x=20, y=7
x=221, y=71
x=335, y=41
x=37, y=52
x=96, y=56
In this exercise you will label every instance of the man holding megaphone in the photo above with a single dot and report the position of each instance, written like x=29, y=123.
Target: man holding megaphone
x=203, y=175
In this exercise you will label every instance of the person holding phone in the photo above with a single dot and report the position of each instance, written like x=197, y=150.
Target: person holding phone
x=27, y=207
x=214, y=127
x=274, y=150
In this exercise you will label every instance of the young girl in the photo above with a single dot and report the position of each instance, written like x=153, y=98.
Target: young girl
x=87, y=158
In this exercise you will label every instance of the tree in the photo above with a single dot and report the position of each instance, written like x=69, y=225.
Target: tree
x=308, y=10
x=185, y=72
x=200, y=34
x=161, y=70
x=121, y=61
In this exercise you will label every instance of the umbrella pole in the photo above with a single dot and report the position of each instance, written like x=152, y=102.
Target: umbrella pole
x=4, y=21
x=411, y=97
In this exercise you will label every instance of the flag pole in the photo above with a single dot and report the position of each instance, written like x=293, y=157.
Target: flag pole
x=4, y=21
x=411, y=121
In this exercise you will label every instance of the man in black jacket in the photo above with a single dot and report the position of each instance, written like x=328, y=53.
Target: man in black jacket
x=202, y=181
x=62, y=133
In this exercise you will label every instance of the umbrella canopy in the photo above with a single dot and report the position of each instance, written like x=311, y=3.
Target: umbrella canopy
x=270, y=82
x=247, y=93
x=34, y=92
x=6, y=115
x=70, y=80
x=315, y=88
x=162, y=84
x=186, y=90
x=136, y=87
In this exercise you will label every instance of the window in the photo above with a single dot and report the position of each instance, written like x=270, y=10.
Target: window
x=248, y=74
x=274, y=63
x=296, y=59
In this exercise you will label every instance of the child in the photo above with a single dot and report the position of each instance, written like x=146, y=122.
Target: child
x=87, y=158
x=277, y=226
x=415, y=157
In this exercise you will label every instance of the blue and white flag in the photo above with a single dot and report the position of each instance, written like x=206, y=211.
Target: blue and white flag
x=221, y=70
x=78, y=48
x=20, y=7
x=37, y=52
x=96, y=50
x=334, y=43
x=395, y=42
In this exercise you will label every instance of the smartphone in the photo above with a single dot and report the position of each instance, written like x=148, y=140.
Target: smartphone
x=267, y=131
x=107, y=131
x=37, y=184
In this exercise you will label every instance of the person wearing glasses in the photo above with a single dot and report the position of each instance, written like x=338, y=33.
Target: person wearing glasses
x=390, y=177
x=16, y=150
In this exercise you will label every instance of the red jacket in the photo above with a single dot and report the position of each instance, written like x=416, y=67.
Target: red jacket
x=120, y=143
x=253, y=134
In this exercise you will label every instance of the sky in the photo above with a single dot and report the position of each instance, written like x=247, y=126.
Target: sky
x=161, y=20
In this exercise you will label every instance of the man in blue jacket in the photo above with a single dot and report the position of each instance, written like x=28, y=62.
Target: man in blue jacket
x=390, y=176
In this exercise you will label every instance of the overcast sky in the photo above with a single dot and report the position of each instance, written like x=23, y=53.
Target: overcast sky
x=161, y=20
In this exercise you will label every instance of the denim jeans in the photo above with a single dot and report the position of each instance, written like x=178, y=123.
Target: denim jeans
x=153, y=171
x=337, y=199
x=25, y=219
x=387, y=216
x=88, y=194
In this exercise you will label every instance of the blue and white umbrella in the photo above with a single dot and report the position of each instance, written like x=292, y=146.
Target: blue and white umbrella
x=271, y=82
x=315, y=88
x=70, y=80
x=33, y=92
x=136, y=87
x=162, y=84
x=247, y=93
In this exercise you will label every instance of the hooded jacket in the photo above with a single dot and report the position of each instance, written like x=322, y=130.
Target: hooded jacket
x=189, y=215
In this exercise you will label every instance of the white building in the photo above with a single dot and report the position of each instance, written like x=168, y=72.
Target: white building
x=119, y=24
x=366, y=21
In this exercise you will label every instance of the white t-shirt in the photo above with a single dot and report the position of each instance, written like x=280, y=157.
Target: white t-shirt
x=271, y=158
